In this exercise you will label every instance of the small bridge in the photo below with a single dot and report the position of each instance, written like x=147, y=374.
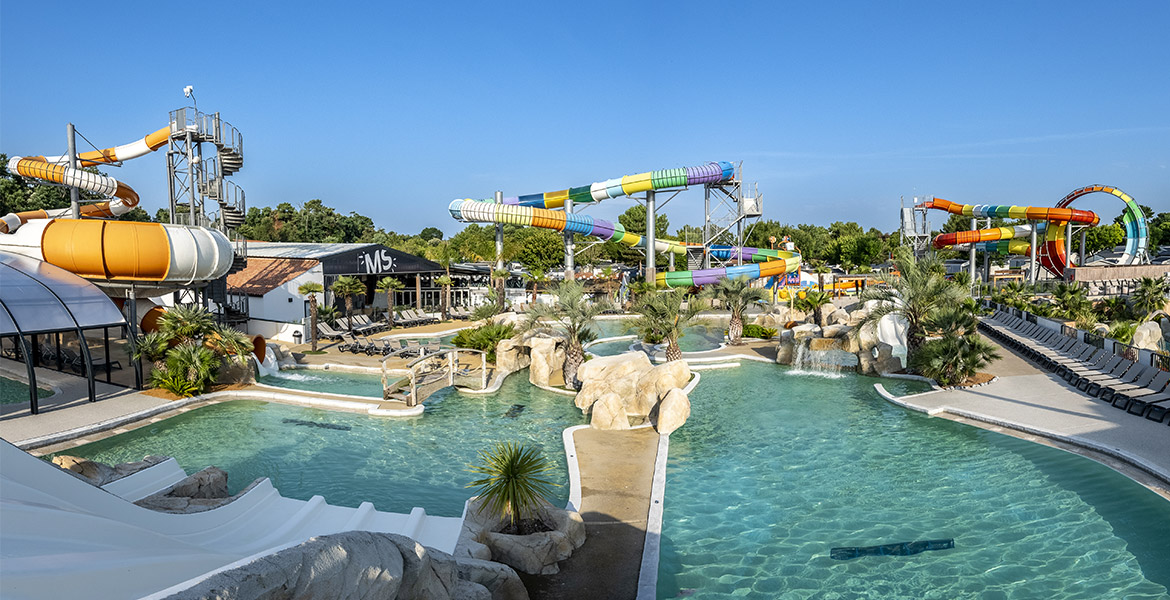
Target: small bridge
x=460, y=367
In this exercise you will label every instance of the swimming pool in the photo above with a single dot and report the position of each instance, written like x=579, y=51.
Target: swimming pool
x=348, y=458
x=16, y=392
x=704, y=335
x=765, y=479
x=332, y=382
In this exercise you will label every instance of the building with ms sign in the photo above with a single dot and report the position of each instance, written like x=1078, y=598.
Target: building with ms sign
x=268, y=286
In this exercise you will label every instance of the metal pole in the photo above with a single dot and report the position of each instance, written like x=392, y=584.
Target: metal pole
x=971, y=252
x=1068, y=248
x=499, y=236
x=987, y=259
x=706, y=226
x=1081, y=253
x=74, y=196
x=133, y=313
x=191, y=178
x=1032, y=256
x=570, y=247
x=670, y=257
x=650, y=258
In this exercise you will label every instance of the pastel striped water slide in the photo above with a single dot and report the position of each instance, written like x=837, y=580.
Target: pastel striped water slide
x=713, y=172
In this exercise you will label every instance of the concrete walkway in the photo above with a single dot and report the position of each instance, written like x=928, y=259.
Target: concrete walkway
x=1036, y=402
x=617, y=473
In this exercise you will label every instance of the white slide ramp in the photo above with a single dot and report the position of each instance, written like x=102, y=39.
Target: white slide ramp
x=64, y=538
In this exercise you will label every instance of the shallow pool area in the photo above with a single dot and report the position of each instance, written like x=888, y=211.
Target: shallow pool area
x=348, y=458
x=700, y=337
x=16, y=392
x=328, y=381
x=764, y=480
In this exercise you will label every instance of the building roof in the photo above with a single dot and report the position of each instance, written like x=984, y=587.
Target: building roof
x=37, y=297
x=347, y=259
x=300, y=249
x=262, y=275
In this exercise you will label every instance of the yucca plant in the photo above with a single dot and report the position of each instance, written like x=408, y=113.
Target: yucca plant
x=952, y=359
x=662, y=317
x=185, y=322
x=514, y=484
x=151, y=347
x=485, y=337
x=1150, y=296
x=574, y=314
x=197, y=364
x=812, y=302
x=173, y=382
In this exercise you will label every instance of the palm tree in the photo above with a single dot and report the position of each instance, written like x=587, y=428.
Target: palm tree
x=446, y=283
x=151, y=347
x=811, y=304
x=230, y=342
x=607, y=273
x=820, y=268
x=500, y=276
x=311, y=289
x=389, y=285
x=662, y=316
x=347, y=287
x=737, y=294
x=536, y=276
x=514, y=484
x=1150, y=296
x=916, y=294
x=185, y=322
x=574, y=313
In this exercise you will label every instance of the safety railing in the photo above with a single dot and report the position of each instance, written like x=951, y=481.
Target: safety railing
x=1094, y=340
x=207, y=128
x=1125, y=350
x=1162, y=361
x=1069, y=331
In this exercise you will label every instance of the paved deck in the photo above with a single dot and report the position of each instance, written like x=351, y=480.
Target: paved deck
x=1036, y=402
x=617, y=473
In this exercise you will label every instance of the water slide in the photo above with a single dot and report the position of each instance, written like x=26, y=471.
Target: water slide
x=65, y=538
x=535, y=210
x=1051, y=251
x=165, y=255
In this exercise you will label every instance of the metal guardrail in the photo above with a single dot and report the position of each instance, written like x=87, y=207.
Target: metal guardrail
x=1067, y=331
x=1162, y=361
x=1029, y=317
x=1125, y=350
x=1095, y=340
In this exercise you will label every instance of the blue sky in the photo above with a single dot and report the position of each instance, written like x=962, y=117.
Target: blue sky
x=835, y=108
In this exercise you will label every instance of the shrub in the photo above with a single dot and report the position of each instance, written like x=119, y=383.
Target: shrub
x=174, y=382
x=514, y=485
x=953, y=358
x=485, y=337
x=758, y=331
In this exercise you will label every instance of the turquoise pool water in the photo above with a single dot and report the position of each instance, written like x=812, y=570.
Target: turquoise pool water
x=16, y=392
x=765, y=479
x=395, y=463
x=333, y=382
x=706, y=335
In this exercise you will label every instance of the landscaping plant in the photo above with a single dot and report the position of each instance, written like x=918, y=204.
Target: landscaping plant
x=661, y=316
x=485, y=337
x=574, y=314
x=311, y=289
x=737, y=295
x=514, y=484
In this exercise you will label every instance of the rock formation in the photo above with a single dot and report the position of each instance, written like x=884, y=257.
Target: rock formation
x=626, y=388
x=536, y=553
x=542, y=351
x=100, y=474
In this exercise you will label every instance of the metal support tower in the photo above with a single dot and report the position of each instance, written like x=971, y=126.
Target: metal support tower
x=915, y=229
x=726, y=207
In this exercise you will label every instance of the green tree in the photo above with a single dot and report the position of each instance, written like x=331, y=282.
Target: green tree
x=574, y=314
x=445, y=282
x=915, y=294
x=388, y=286
x=811, y=304
x=186, y=323
x=311, y=289
x=1150, y=296
x=347, y=287
x=430, y=233
x=661, y=316
x=539, y=249
x=737, y=295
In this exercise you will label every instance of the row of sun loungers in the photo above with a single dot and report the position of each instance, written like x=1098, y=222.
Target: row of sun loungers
x=412, y=317
x=1137, y=389
x=403, y=348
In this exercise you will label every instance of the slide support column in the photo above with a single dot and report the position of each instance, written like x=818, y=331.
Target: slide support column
x=74, y=196
x=1032, y=256
x=971, y=253
x=499, y=236
x=570, y=247
x=650, y=259
x=1068, y=247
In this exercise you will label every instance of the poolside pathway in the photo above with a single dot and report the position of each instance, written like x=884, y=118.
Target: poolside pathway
x=617, y=472
x=1029, y=399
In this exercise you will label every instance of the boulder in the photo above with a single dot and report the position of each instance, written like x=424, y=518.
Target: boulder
x=94, y=472
x=536, y=553
x=609, y=413
x=511, y=356
x=208, y=483
x=654, y=383
x=199, y=492
x=673, y=412
x=611, y=366
x=500, y=580
x=824, y=344
x=838, y=317
x=856, y=316
x=610, y=375
x=1147, y=336
x=130, y=468
x=836, y=331
x=1101, y=329
x=866, y=365
x=547, y=356
x=808, y=330
x=785, y=351
x=823, y=313
x=349, y=565
x=867, y=338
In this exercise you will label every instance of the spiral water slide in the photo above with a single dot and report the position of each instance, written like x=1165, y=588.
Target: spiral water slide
x=1051, y=253
x=101, y=250
x=535, y=210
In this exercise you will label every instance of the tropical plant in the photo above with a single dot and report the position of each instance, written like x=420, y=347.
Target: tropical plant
x=574, y=314
x=445, y=282
x=185, y=322
x=388, y=286
x=758, y=331
x=151, y=347
x=951, y=359
x=1115, y=309
x=500, y=277
x=737, y=295
x=536, y=277
x=173, y=382
x=1016, y=293
x=485, y=337
x=486, y=310
x=347, y=287
x=962, y=279
x=327, y=313
x=914, y=295
x=514, y=484
x=1150, y=296
x=311, y=289
x=1122, y=331
x=811, y=304
x=189, y=362
x=230, y=342
x=820, y=268
x=661, y=316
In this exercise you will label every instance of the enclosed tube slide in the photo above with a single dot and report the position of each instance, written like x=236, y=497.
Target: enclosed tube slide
x=533, y=211
x=111, y=250
x=53, y=168
x=1051, y=253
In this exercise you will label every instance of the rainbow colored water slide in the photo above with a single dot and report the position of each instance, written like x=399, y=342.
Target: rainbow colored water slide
x=1051, y=253
x=111, y=250
x=534, y=210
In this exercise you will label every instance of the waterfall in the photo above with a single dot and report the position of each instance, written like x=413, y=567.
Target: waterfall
x=806, y=361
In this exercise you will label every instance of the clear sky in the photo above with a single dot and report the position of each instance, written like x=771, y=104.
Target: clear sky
x=393, y=109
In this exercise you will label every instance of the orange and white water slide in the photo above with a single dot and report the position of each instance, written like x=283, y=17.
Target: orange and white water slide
x=102, y=250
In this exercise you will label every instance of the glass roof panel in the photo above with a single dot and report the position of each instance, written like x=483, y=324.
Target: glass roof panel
x=33, y=291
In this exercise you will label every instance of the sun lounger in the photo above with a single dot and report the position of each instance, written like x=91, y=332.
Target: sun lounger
x=327, y=332
x=75, y=362
x=1135, y=375
x=1157, y=411
x=412, y=349
x=1121, y=396
x=1086, y=381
